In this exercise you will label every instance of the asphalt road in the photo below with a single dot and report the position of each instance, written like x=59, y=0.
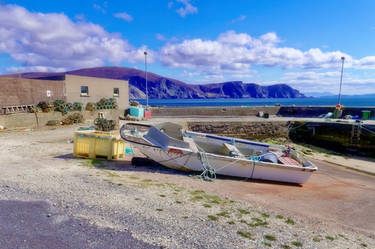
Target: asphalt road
x=33, y=225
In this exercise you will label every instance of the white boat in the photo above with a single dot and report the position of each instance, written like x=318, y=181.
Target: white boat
x=173, y=147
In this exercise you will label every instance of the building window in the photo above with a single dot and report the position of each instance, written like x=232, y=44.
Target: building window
x=116, y=92
x=84, y=91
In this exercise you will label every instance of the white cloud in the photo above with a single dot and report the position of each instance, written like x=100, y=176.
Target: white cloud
x=35, y=69
x=239, y=19
x=187, y=8
x=237, y=52
x=160, y=37
x=52, y=40
x=312, y=81
x=124, y=16
x=99, y=8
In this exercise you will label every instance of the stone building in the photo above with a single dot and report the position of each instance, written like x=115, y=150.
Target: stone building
x=71, y=88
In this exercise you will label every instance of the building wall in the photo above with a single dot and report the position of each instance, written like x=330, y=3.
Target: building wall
x=18, y=91
x=98, y=88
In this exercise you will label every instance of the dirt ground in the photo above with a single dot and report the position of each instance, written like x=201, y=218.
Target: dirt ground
x=149, y=205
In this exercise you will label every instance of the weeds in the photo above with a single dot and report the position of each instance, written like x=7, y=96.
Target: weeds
x=290, y=221
x=245, y=234
x=270, y=237
x=316, y=239
x=267, y=244
x=297, y=243
x=279, y=216
x=265, y=215
x=212, y=217
x=223, y=214
x=207, y=205
x=197, y=192
x=243, y=211
x=146, y=180
x=330, y=238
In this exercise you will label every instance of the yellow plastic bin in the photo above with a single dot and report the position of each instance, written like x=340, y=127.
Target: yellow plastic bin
x=93, y=144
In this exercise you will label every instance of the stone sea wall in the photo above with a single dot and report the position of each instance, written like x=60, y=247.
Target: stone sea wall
x=247, y=130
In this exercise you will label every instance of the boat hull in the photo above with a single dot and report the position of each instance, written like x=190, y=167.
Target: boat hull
x=224, y=165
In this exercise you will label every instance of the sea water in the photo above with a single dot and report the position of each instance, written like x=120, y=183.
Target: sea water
x=320, y=101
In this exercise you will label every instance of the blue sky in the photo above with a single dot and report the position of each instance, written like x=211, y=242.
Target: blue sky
x=196, y=41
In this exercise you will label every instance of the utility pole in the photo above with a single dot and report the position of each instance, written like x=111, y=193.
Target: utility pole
x=146, y=79
x=342, y=71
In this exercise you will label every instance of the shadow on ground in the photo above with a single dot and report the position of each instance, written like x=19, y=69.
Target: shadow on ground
x=141, y=164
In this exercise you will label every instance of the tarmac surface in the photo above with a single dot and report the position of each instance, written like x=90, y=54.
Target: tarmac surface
x=31, y=224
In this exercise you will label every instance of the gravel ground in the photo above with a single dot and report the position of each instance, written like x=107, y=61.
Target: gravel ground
x=82, y=203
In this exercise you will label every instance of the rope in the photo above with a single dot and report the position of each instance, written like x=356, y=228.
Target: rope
x=209, y=173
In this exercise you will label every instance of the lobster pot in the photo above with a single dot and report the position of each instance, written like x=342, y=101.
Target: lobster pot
x=94, y=144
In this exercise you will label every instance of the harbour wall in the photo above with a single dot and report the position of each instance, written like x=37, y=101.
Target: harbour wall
x=232, y=111
x=237, y=111
x=316, y=111
x=354, y=138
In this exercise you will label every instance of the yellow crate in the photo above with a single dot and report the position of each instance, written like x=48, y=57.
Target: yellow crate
x=93, y=144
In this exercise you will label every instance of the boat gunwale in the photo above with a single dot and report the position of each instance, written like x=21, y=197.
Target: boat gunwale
x=312, y=167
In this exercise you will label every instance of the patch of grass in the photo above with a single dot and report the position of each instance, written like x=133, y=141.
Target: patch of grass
x=285, y=246
x=179, y=202
x=316, y=239
x=215, y=202
x=197, y=198
x=243, y=211
x=133, y=177
x=231, y=222
x=257, y=219
x=297, y=243
x=212, y=217
x=232, y=201
x=269, y=237
x=245, y=234
x=290, y=221
x=279, y=216
x=223, y=214
x=267, y=244
x=212, y=197
x=185, y=217
x=159, y=209
x=265, y=215
x=258, y=222
x=137, y=199
x=119, y=184
x=162, y=195
x=197, y=192
x=146, y=180
x=207, y=205
x=330, y=238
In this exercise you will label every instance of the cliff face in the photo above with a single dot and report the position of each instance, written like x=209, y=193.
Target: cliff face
x=166, y=88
